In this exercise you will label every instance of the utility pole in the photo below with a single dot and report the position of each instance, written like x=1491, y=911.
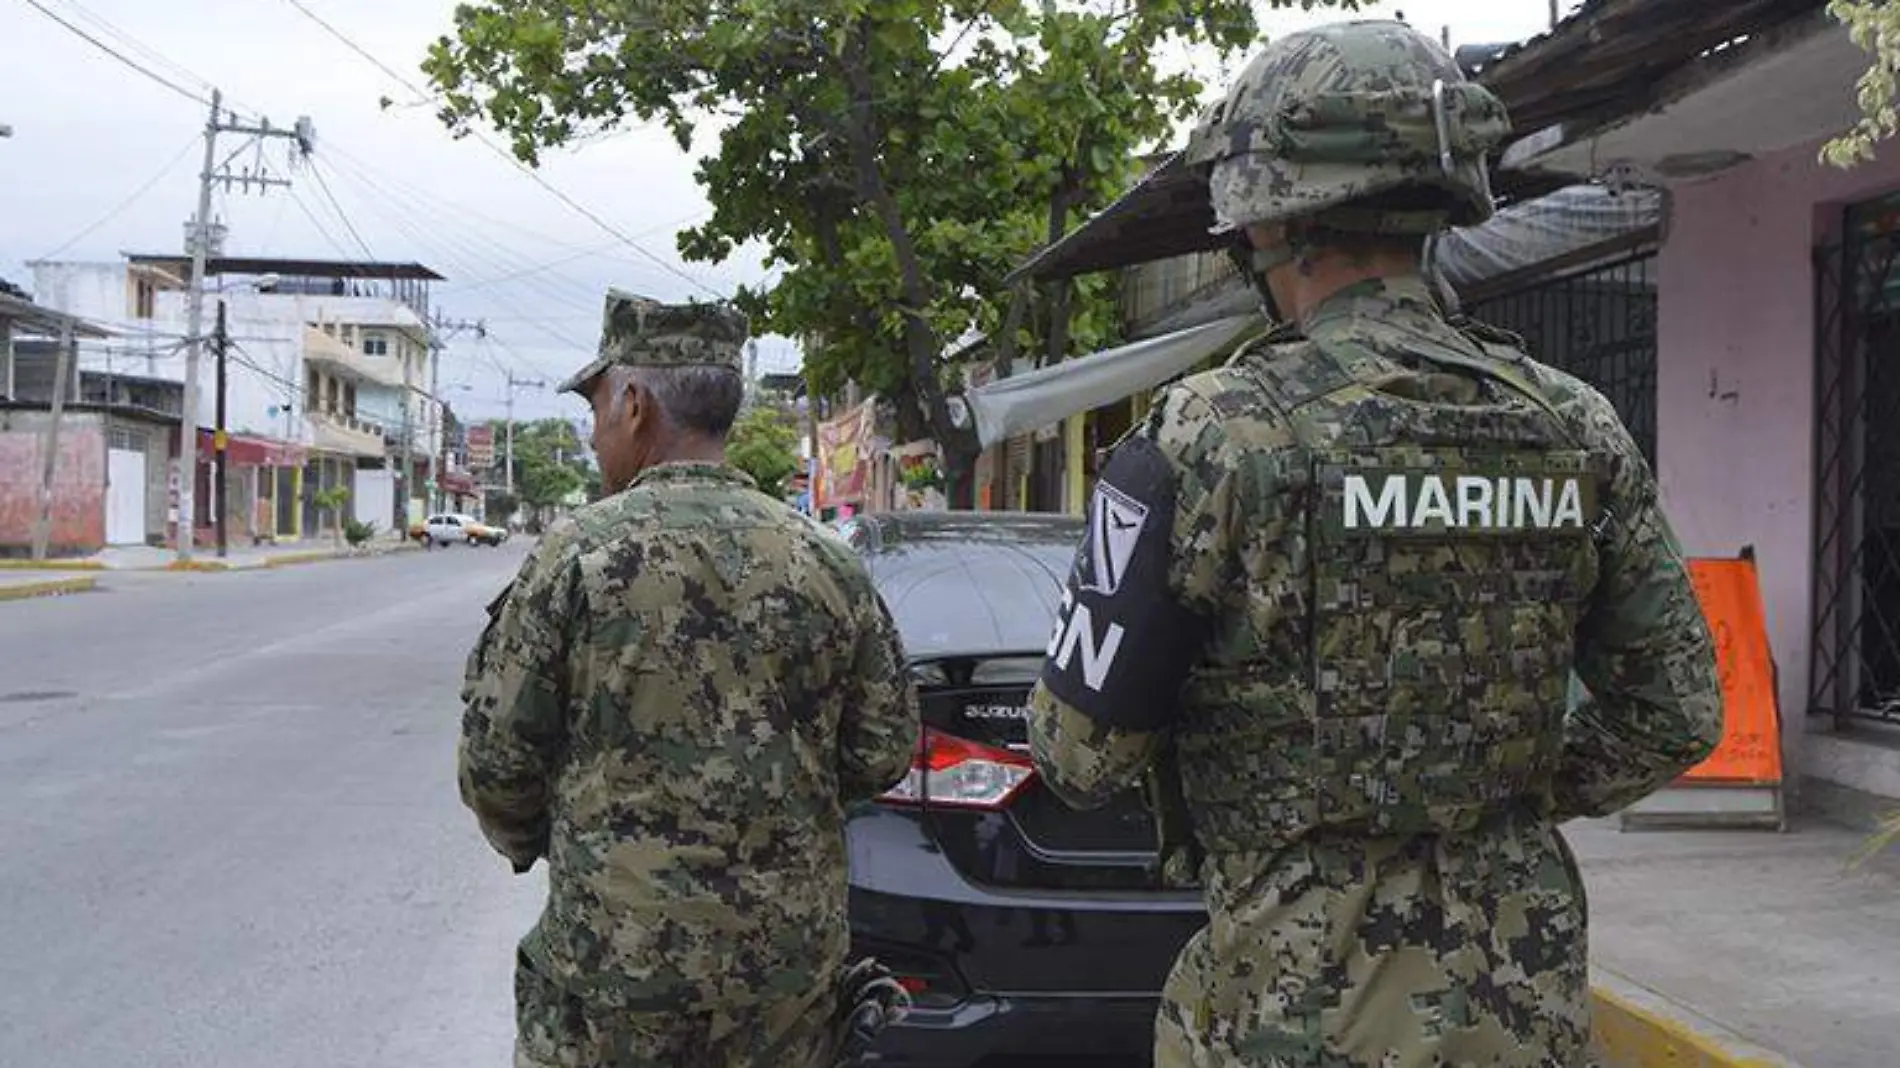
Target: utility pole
x=407, y=465
x=437, y=345
x=220, y=439
x=508, y=465
x=200, y=237
x=62, y=366
x=194, y=324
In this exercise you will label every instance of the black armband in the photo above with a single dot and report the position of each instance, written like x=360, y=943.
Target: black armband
x=1123, y=642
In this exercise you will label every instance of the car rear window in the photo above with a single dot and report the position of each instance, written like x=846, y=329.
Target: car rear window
x=975, y=596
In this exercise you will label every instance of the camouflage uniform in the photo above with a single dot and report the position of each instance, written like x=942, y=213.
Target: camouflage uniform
x=1330, y=603
x=672, y=704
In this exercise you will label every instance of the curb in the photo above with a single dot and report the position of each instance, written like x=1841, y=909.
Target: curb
x=51, y=565
x=309, y=556
x=196, y=565
x=1635, y=1027
x=49, y=588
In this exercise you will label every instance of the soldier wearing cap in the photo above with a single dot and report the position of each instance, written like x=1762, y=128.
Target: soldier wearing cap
x=1333, y=593
x=671, y=705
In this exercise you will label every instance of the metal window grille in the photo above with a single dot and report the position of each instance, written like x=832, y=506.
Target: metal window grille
x=1599, y=325
x=1854, y=655
x=128, y=438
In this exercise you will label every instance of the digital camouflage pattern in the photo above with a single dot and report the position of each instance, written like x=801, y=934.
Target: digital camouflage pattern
x=672, y=704
x=1335, y=114
x=1371, y=751
x=638, y=332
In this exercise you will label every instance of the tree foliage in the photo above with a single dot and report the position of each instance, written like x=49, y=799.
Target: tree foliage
x=550, y=462
x=897, y=158
x=1875, y=27
x=764, y=444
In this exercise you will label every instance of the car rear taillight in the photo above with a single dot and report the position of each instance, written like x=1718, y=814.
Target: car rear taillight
x=954, y=772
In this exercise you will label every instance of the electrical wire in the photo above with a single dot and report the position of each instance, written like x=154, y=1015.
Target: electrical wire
x=442, y=239
x=359, y=50
x=467, y=287
x=322, y=230
x=402, y=225
x=138, y=194
x=466, y=246
x=120, y=56
x=243, y=358
x=532, y=174
x=139, y=48
x=316, y=171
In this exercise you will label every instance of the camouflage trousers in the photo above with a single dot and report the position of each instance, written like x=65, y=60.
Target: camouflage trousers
x=1424, y=953
x=555, y=1029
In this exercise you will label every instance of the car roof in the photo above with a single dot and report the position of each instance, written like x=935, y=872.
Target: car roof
x=968, y=583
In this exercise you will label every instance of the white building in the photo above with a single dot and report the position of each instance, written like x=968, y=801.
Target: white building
x=328, y=377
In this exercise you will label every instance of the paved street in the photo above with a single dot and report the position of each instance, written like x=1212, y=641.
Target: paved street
x=228, y=810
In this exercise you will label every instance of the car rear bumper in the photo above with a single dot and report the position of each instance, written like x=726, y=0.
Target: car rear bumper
x=1011, y=977
x=1005, y=1032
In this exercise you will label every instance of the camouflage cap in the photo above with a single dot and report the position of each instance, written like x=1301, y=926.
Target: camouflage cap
x=638, y=332
x=1327, y=117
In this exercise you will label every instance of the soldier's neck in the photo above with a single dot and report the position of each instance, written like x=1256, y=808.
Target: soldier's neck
x=1300, y=288
x=691, y=451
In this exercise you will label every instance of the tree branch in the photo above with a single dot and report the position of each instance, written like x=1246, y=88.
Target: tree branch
x=920, y=340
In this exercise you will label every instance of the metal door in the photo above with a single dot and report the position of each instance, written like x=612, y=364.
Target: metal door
x=125, y=497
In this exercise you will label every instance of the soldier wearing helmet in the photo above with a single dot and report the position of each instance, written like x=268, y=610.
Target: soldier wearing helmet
x=1333, y=594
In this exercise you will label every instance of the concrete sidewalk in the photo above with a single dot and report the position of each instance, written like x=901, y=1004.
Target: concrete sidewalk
x=1742, y=947
x=205, y=558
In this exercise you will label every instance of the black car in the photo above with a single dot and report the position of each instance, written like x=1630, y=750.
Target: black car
x=1027, y=933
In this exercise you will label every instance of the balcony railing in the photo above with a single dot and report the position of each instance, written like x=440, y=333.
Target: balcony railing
x=345, y=432
x=322, y=350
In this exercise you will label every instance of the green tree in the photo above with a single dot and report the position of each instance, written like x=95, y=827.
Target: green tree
x=331, y=502
x=1875, y=27
x=896, y=158
x=550, y=463
x=764, y=444
x=499, y=505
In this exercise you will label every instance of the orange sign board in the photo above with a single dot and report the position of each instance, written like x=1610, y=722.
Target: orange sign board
x=1750, y=751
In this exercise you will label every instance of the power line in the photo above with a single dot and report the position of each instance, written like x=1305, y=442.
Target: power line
x=317, y=170
x=191, y=143
x=244, y=359
x=322, y=230
x=120, y=56
x=535, y=177
x=358, y=49
x=599, y=250
x=442, y=235
x=138, y=47
x=532, y=174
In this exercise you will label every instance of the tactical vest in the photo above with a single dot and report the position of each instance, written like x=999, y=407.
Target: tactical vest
x=1438, y=563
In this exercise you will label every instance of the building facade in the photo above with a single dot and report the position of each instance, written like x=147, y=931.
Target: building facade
x=327, y=375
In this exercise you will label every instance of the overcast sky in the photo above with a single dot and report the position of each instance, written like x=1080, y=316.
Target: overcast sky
x=89, y=133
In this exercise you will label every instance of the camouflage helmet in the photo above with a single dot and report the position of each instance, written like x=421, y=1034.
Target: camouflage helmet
x=1325, y=119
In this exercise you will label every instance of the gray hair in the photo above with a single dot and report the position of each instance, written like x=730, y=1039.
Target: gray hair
x=697, y=399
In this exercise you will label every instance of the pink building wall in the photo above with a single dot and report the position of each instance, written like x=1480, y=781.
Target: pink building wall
x=1735, y=378
x=79, y=479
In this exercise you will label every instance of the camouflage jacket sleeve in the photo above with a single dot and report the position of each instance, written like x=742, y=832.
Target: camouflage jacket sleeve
x=514, y=723
x=1654, y=709
x=1145, y=580
x=879, y=728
